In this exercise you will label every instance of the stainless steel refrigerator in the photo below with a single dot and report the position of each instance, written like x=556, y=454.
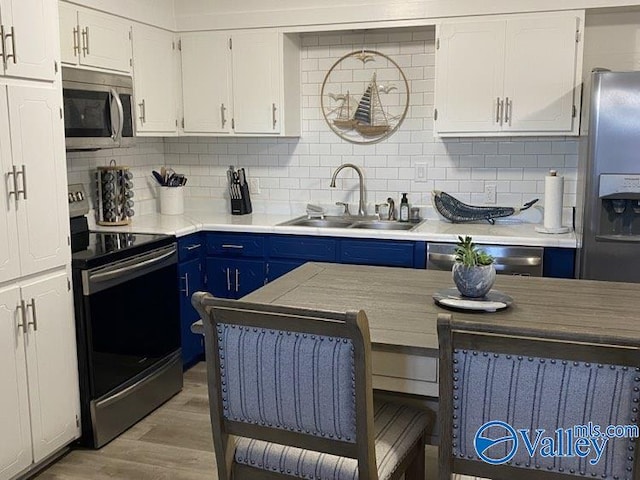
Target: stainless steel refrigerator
x=608, y=209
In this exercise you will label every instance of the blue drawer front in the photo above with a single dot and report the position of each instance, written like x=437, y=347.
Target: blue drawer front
x=190, y=247
x=239, y=245
x=305, y=248
x=378, y=252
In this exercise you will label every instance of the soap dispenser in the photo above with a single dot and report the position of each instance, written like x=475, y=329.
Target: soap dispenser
x=404, y=209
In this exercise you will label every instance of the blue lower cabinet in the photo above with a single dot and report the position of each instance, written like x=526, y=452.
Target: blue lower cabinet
x=559, y=262
x=234, y=278
x=310, y=249
x=277, y=268
x=190, y=280
x=390, y=253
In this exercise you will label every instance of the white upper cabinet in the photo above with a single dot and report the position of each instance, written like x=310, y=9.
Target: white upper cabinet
x=234, y=83
x=35, y=173
x=9, y=254
x=257, y=104
x=510, y=75
x=154, y=75
x=29, y=27
x=93, y=39
x=206, y=83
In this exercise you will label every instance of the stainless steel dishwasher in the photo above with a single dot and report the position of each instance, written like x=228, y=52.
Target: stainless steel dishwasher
x=509, y=260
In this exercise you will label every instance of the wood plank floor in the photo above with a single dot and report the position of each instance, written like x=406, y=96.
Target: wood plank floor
x=172, y=443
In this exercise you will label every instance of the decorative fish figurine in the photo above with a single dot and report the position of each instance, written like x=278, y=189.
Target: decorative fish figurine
x=458, y=212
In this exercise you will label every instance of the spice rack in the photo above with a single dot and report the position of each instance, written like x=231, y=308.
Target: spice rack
x=114, y=188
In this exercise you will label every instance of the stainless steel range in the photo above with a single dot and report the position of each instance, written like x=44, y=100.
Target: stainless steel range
x=127, y=323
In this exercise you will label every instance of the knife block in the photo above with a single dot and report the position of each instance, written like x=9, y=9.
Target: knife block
x=242, y=205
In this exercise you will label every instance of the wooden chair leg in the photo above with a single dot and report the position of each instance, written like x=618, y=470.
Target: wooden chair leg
x=416, y=469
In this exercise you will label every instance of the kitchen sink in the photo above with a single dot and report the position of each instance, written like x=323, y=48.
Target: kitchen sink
x=371, y=223
x=384, y=225
x=327, y=222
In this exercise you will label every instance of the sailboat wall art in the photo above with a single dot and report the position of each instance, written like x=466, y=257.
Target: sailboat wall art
x=364, y=97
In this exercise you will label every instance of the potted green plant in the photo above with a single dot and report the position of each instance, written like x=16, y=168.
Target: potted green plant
x=473, y=270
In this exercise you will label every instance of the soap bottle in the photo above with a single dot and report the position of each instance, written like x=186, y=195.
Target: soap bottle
x=404, y=209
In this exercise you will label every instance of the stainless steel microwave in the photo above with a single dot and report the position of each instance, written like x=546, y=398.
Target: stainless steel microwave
x=98, y=110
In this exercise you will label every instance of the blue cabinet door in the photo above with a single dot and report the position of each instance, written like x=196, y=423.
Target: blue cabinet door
x=234, y=278
x=389, y=253
x=277, y=268
x=559, y=262
x=190, y=280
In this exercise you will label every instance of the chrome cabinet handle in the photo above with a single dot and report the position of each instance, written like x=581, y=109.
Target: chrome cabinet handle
x=76, y=41
x=32, y=304
x=23, y=314
x=223, y=117
x=186, y=285
x=507, y=111
x=193, y=247
x=143, y=112
x=273, y=114
x=13, y=55
x=237, y=279
x=13, y=174
x=85, y=41
x=237, y=247
x=4, y=47
x=498, y=110
x=228, y=281
x=23, y=173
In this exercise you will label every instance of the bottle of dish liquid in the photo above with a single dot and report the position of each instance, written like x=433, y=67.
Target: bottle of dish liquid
x=404, y=209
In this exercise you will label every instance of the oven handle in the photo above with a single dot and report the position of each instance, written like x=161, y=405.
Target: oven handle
x=103, y=276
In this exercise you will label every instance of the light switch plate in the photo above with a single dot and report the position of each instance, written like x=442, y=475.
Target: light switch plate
x=421, y=172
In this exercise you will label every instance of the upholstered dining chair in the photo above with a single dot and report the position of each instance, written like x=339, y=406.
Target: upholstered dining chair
x=539, y=387
x=291, y=396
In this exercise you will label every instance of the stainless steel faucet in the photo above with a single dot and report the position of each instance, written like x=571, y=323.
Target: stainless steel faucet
x=392, y=209
x=361, y=211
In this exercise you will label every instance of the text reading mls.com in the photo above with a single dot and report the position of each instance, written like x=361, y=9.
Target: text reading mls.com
x=497, y=442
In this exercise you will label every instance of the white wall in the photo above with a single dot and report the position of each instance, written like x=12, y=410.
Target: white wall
x=311, y=14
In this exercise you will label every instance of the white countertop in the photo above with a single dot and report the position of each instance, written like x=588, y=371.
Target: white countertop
x=511, y=231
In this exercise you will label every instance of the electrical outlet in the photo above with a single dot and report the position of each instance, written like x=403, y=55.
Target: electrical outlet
x=254, y=186
x=421, y=172
x=490, y=193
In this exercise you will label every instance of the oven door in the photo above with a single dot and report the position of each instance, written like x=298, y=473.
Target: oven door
x=132, y=319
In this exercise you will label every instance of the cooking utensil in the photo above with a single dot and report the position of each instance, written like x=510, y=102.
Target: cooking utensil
x=159, y=177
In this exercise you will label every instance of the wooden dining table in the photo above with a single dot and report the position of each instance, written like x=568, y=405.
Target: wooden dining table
x=402, y=313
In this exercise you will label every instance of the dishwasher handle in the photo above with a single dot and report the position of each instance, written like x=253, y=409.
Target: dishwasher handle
x=531, y=261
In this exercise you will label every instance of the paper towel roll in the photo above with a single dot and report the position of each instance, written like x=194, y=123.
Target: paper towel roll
x=553, y=192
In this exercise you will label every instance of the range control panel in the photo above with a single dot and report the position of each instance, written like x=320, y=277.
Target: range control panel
x=78, y=200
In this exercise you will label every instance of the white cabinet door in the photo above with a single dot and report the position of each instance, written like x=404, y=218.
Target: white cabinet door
x=69, y=34
x=9, y=254
x=104, y=41
x=31, y=49
x=206, y=82
x=15, y=434
x=154, y=65
x=256, y=59
x=38, y=152
x=51, y=364
x=469, y=76
x=540, y=73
